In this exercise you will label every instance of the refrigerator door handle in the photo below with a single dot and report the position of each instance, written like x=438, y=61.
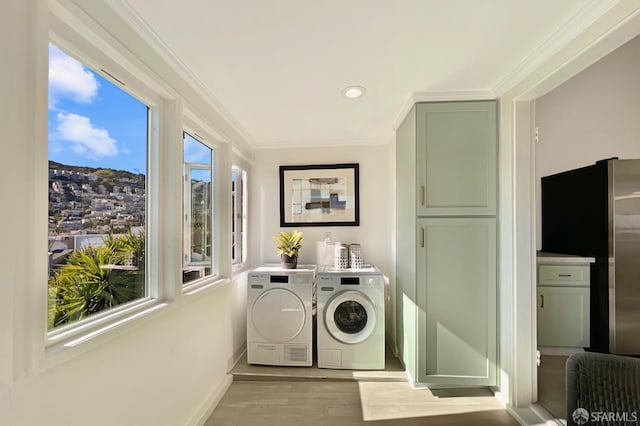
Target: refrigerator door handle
x=542, y=301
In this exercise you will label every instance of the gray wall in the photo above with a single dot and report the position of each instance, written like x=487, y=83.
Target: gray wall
x=592, y=116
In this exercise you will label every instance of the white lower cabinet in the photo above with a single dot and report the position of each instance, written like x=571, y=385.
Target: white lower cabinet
x=563, y=316
x=457, y=301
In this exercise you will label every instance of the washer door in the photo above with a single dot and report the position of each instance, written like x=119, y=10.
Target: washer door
x=350, y=317
x=278, y=315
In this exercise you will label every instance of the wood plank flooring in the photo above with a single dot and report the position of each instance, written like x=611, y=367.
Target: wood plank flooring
x=551, y=385
x=284, y=396
x=338, y=403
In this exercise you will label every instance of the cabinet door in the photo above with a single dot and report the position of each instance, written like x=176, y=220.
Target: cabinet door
x=563, y=316
x=457, y=301
x=456, y=148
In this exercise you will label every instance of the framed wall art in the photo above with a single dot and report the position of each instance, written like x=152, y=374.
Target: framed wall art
x=319, y=195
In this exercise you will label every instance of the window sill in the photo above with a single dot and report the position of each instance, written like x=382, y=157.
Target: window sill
x=239, y=268
x=191, y=289
x=66, y=344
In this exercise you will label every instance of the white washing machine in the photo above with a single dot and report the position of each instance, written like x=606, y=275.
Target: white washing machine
x=279, y=315
x=351, y=332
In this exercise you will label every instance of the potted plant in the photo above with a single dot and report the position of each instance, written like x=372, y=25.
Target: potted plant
x=288, y=245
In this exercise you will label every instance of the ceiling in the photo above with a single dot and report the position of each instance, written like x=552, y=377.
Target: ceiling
x=277, y=68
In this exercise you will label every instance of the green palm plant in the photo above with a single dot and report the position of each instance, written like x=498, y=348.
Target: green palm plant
x=89, y=283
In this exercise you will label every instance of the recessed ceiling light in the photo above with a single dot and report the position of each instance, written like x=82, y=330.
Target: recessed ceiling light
x=353, y=92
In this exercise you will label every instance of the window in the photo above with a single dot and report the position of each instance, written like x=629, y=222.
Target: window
x=198, y=209
x=97, y=149
x=239, y=215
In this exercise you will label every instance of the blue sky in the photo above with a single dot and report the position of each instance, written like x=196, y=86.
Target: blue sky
x=92, y=122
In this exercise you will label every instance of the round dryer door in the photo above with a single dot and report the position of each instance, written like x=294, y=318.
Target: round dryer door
x=350, y=317
x=278, y=315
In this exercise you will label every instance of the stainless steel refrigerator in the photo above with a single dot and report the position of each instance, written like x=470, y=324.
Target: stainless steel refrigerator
x=594, y=211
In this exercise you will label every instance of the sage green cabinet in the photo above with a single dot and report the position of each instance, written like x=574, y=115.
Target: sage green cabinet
x=456, y=158
x=446, y=323
x=563, y=316
x=563, y=305
x=457, y=301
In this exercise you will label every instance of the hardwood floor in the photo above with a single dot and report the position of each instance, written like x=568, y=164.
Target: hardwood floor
x=285, y=396
x=338, y=403
x=551, y=385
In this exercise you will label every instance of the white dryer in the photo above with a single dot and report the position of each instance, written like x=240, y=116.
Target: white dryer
x=279, y=315
x=351, y=332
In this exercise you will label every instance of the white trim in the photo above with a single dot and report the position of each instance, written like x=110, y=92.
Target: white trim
x=322, y=143
x=469, y=95
x=198, y=286
x=546, y=416
x=29, y=353
x=532, y=416
x=69, y=22
x=212, y=400
x=128, y=14
x=97, y=322
x=237, y=356
x=559, y=39
x=611, y=30
x=239, y=209
x=241, y=158
x=93, y=334
x=199, y=128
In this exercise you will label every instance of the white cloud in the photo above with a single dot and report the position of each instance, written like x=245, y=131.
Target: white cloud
x=85, y=139
x=69, y=78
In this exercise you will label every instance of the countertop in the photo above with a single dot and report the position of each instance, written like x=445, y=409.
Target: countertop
x=543, y=257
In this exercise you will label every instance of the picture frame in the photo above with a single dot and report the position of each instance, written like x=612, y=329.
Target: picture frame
x=320, y=195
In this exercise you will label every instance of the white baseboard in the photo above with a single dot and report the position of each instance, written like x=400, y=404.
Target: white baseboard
x=210, y=403
x=534, y=415
x=239, y=353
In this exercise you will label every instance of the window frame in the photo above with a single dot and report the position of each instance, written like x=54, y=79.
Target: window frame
x=90, y=55
x=69, y=28
x=192, y=126
x=56, y=334
x=240, y=234
x=187, y=209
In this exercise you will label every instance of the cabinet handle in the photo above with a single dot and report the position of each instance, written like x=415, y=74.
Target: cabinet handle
x=542, y=300
x=422, y=195
x=422, y=237
x=564, y=275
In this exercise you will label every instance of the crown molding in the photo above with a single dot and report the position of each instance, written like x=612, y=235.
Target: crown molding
x=241, y=154
x=589, y=14
x=453, y=96
x=130, y=16
x=322, y=143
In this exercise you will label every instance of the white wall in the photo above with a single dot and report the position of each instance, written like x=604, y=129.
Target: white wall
x=166, y=369
x=165, y=372
x=376, y=203
x=592, y=116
